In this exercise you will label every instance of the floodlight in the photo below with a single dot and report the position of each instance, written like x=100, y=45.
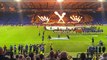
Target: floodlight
x=18, y=0
x=60, y=0
x=101, y=0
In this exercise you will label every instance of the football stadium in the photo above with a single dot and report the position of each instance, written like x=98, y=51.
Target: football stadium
x=53, y=29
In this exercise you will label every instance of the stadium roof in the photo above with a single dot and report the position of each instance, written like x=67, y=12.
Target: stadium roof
x=52, y=0
x=52, y=5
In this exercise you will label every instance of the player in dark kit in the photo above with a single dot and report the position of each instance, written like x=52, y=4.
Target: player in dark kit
x=99, y=49
x=100, y=43
x=30, y=48
x=39, y=34
x=58, y=36
x=68, y=36
x=5, y=48
x=43, y=32
x=51, y=48
x=49, y=37
x=93, y=41
x=37, y=49
x=42, y=49
x=42, y=37
x=15, y=49
x=11, y=48
x=103, y=49
x=26, y=48
x=19, y=48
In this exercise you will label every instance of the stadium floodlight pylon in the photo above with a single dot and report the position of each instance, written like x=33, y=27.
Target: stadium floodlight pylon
x=61, y=20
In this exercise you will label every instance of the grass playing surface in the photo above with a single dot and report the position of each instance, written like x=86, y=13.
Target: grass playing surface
x=11, y=35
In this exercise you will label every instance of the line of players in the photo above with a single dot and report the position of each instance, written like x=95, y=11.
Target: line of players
x=76, y=29
x=25, y=49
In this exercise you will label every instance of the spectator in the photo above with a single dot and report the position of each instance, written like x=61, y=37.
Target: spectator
x=17, y=56
x=82, y=56
x=5, y=48
x=37, y=57
x=2, y=57
x=41, y=55
x=12, y=56
x=28, y=58
x=63, y=56
x=31, y=55
x=94, y=57
x=21, y=57
x=104, y=57
x=70, y=58
x=51, y=56
x=57, y=54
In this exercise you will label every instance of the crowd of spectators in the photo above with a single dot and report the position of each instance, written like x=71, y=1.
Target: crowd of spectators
x=36, y=52
x=31, y=52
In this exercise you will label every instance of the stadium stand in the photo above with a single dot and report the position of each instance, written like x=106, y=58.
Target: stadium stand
x=8, y=18
x=14, y=18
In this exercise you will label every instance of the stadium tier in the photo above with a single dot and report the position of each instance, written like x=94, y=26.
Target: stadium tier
x=8, y=18
x=12, y=18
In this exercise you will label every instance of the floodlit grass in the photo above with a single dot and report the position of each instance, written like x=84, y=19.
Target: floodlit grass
x=14, y=35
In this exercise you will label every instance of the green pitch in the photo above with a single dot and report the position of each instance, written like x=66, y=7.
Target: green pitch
x=11, y=35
